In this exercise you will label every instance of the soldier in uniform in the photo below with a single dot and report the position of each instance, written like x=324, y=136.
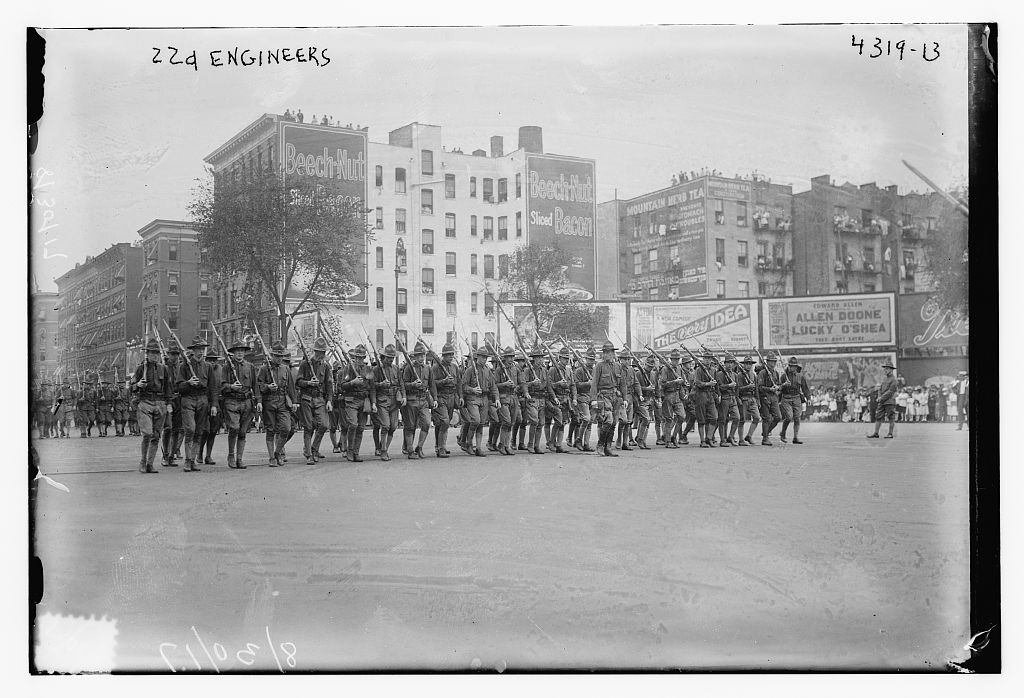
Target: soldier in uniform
x=104, y=406
x=885, y=408
x=152, y=384
x=444, y=376
x=133, y=411
x=507, y=382
x=747, y=386
x=173, y=434
x=43, y=400
x=606, y=390
x=65, y=410
x=582, y=376
x=238, y=387
x=478, y=389
x=647, y=378
x=279, y=401
x=214, y=419
x=316, y=391
x=122, y=401
x=358, y=386
x=519, y=430
x=198, y=397
x=728, y=410
x=673, y=389
x=794, y=394
x=560, y=390
x=86, y=407
x=768, y=389
x=337, y=414
x=624, y=431
x=390, y=399
x=421, y=398
x=534, y=387
x=704, y=401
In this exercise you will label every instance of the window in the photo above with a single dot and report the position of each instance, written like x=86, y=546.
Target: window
x=719, y=212
x=379, y=337
x=449, y=225
x=779, y=253
x=172, y=252
x=427, y=162
x=403, y=338
x=380, y=258
x=488, y=266
x=720, y=250
x=652, y=293
x=378, y=176
x=638, y=263
x=652, y=259
x=519, y=185
x=172, y=316
x=204, y=288
x=488, y=304
x=204, y=321
x=428, y=322
x=399, y=180
x=449, y=186
x=673, y=254
x=172, y=283
x=502, y=190
x=869, y=254
x=449, y=263
x=488, y=227
x=869, y=288
x=502, y=266
x=400, y=221
x=450, y=306
x=931, y=223
x=503, y=227
x=428, y=241
x=488, y=190
x=472, y=187
x=472, y=264
x=741, y=213
x=402, y=301
x=866, y=216
x=762, y=250
x=744, y=289
x=427, y=202
x=473, y=339
x=379, y=225
x=472, y=226
x=741, y=257
x=762, y=288
x=380, y=298
x=519, y=224
x=473, y=298
x=427, y=279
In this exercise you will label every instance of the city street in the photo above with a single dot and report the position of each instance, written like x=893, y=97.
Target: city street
x=841, y=552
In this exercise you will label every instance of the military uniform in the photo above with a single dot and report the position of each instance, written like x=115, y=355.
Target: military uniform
x=748, y=398
x=67, y=409
x=506, y=380
x=582, y=377
x=444, y=376
x=152, y=384
x=122, y=403
x=215, y=375
x=358, y=386
x=728, y=408
x=316, y=390
x=337, y=414
x=86, y=408
x=390, y=397
x=534, y=386
x=630, y=398
x=673, y=383
x=768, y=389
x=560, y=391
x=520, y=428
x=238, y=388
x=104, y=407
x=278, y=402
x=794, y=394
x=478, y=389
x=173, y=434
x=647, y=384
x=42, y=403
x=885, y=406
x=606, y=390
x=421, y=398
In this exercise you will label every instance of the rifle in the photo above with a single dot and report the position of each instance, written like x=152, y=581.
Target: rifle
x=181, y=348
x=713, y=357
x=227, y=354
x=501, y=361
x=765, y=364
x=405, y=354
x=554, y=363
x=663, y=360
x=330, y=338
x=472, y=360
x=582, y=362
x=697, y=361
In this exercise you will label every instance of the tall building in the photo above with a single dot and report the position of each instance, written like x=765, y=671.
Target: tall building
x=706, y=236
x=99, y=310
x=444, y=223
x=175, y=288
x=44, y=340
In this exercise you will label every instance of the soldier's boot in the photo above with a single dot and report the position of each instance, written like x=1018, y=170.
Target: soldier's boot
x=151, y=456
x=407, y=442
x=376, y=441
x=271, y=449
x=461, y=439
x=318, y=437
x=630, y=438
x=356, y=442
x=519, y=436
x=210, y=438
x=419, y=443
x=307, y=440
x=440, y=436
x=144, y=449
x=477, y=439
x=335, y=448
x=785, y=426
x=232, y=439
x=241, y=451
x=608, y=433
x=570, y=437
x=641, y=436
x=723, y=442
x=796, y=431
x=188, y=456
x=385, y=444
x=492, y=436
x=585, y=437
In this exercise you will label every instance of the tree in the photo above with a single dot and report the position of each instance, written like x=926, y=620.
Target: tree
x=537, y=277
x=947, y=257
x=286, y=234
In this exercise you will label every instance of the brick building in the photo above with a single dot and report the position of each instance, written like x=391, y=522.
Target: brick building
x=175, y=288
x=99, y=310
x=44, y=339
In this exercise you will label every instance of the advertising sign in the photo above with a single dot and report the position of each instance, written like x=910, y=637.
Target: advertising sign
x=561, y=210
x=845, y=370
x=732, y=324
x=924, y=324
x=829, y=321
x=335, y=158
x=605, y=319
x=728, y=189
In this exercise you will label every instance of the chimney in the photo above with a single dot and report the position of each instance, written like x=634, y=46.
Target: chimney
x=480, y=152
x=531, y=139
x=497, y=146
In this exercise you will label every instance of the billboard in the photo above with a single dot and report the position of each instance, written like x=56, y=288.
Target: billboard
x=561, y=210
x=845, y=370
x=728, y=189
x=335, y=158
x=819, y=322
x=607, y=320
x=924, y=324
x=732, y=324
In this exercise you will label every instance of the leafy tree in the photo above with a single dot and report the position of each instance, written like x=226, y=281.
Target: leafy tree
x=947, y=256
x=294, y=238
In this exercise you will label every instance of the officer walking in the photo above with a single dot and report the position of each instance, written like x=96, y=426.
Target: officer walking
x=152, y=383
x=606, y=391
x=534, y=390
x=316, y=390
x=795, y=393
x=704, y=401
x=214, y=419
x=506, y=380
x=886, y=402
x=197, y=397
x=238, y=387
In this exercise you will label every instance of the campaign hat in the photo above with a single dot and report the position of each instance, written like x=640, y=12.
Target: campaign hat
x=359, y=351
x=320, y=344
x=389, y=350
x=198, y=343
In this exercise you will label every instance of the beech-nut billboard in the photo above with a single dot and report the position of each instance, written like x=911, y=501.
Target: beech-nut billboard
x=561, y=210
x=335, y=158
x=819, y=322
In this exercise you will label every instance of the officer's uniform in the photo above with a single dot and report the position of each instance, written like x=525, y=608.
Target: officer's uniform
x=420, y=399
x=606, y=390
x=794, y=393
x=389, y=401
x=885, y=405
x=749, y=399
x=238, y=403
x=154, y=398
x=316, y=389
x=358, y=386
x=279, y=400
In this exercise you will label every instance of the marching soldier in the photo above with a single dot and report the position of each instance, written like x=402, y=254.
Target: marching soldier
x=607, y=387
x=238, y=387
x=444, y=376
x=728, y=411
x=507, y=381
x=214, y=419
x=561, y=399
x=421, y=398
x=316, y=390
x=173, y=434
x=477, y=387
x=519, y=430
x=885, y=408
x=768, y=388
x=42, y=403
x=198, y=397
x=673, y=387
x=704, y=401
x=647, y=382
x=66, y=408
x=337, y=414
x=390, y=399
x=748, y=398
x=629, y=398
x=582, y=376
x=279, y=402
x=794, y=394
x=533, y=386
x=356, y=383
x=86, y=407
x=122, y=402
x=104, y=406
x=152, y=384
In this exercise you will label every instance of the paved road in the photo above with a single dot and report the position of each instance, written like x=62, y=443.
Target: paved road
x=840, y=552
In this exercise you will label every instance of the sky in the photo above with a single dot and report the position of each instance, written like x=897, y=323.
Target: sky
x=122, y=138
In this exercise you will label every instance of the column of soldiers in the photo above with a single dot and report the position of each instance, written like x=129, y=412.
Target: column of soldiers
x=178, y=403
